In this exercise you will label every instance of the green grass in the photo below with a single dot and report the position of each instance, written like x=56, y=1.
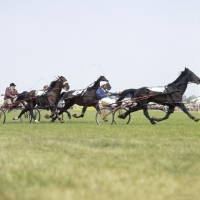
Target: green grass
x=81, y=160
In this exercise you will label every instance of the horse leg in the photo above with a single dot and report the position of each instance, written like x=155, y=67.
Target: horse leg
x=132, y=109
x=57, y=114
x=62, y=110
x=33, y=116
x=54, y=116
x=21, y=113
x=97, y=107
x=146, y=113
x=169, y=112
x=54, y=112
x=184, y=109
x=82, y=114
x=68, y=114
x=47, y=116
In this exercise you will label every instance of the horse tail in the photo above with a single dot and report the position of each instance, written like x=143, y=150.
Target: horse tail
x=125, y=93
x=67, y=95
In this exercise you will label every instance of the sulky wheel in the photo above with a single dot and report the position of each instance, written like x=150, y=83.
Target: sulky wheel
x=104, y=116
x=2, y=116
x=118, y=120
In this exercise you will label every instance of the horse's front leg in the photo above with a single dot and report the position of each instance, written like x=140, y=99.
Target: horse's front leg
x=61, y=110
x=82, y=114
x=169, y=112
x=184, y=109
x=47, y=116
x=33, y=116
x=54, y=112
x=68, y=114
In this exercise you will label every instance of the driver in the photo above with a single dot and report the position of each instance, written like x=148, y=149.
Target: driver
x=45, y=88
x=10, y=94
x=104, y=95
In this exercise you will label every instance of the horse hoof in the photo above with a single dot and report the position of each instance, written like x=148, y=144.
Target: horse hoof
x=37, y=122
x=47, y=116
x=154, y=118
x=152, y=122
x=196, y=119
x=74, y=115
x=15, y=118
x=61, y=120
x=121, y=117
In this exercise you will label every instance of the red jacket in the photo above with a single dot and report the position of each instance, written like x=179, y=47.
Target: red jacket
x=9, y=93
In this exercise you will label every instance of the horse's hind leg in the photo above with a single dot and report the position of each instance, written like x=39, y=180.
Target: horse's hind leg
x=146, y=113
x=82, y=114
x=170, y=111
x=133, y=109
x=21, y=113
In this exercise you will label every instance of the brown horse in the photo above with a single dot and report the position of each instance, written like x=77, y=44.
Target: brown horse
x=48, y=100
x=86, y=97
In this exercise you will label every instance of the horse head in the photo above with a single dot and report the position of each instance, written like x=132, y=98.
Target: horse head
x=103, y=78
x=193, y=78
x=63, y=82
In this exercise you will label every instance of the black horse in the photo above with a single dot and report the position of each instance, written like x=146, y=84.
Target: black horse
x=86, y=97
x=48, y=100
x=171, y=96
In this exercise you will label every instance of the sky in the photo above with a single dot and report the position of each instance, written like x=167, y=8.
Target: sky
x=133, y=43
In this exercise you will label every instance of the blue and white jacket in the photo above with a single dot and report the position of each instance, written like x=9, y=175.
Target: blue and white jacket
x=101, y=93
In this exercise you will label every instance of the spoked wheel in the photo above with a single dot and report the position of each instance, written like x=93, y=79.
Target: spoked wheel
x=26, y=117
x=118, y=120
x=104, y=116
x=2, y=116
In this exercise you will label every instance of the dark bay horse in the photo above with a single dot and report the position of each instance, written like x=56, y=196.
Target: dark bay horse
x=86, y=97
x=48, y=100
x=171, y=97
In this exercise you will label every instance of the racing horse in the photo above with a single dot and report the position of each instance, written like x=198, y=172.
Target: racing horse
x=171, y=96
x=86, y=97
x=48, y=100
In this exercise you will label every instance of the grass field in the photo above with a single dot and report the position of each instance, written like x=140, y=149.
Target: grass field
x=79, y=160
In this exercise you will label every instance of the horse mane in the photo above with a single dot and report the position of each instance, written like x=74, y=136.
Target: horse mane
x=21, y=96
x=53, y=84
x=96, y=83
x=180, y=76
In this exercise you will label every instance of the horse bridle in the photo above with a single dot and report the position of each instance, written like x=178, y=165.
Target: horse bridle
x=195, y=81
x=63, y=83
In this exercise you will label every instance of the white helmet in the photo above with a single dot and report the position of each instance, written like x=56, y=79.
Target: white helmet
x=103, y=83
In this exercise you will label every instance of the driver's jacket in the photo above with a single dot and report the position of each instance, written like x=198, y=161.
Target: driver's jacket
x=101, y=93
x=9, y=93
